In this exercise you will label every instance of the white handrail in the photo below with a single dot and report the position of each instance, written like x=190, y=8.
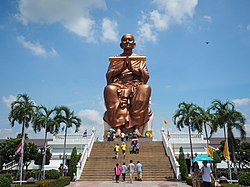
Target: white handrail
x=170, y=153
x=85, y=154
x=10, y=165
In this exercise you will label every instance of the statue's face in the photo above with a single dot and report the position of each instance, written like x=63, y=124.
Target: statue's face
x=127, y=42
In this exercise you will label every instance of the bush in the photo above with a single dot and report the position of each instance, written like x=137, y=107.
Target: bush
x=244, y=178
x=183, y=165
x=230, y=185
x=73, y=162
x=35, y=174
x=61, y=182
x=4, y=181
x=27, y=185
x=52, y=174
x=8, y=176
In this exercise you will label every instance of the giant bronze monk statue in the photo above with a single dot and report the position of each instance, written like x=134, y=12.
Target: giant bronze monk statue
x=127, y=93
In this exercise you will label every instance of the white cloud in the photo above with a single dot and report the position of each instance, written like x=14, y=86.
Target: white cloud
x=7, y=133
x=146, y=32
x=74, y=15
x=243, y=101
x=109, y=30
x=207, y=18
x=36, y=48
x=91, y=119
x=160, y=21
x=177, y=10
x=8, y=100
x=91, y=115
x=171, y=11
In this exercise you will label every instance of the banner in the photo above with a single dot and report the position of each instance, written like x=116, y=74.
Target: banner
x=226, y=151
x=168, y=135
x=210, y=151
x=165, y=122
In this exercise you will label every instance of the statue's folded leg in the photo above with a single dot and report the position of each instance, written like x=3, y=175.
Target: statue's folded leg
x=116, y=116
x=139, y=107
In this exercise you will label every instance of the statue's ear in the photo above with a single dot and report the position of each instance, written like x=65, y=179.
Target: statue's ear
x=121, y=45
x=134, y=45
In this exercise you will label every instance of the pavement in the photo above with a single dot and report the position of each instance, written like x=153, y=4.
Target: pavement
x=127, y=183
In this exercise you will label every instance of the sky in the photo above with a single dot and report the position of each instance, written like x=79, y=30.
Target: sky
x=57, y=51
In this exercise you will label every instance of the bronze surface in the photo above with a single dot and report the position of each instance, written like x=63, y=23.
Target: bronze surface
x=127, y=93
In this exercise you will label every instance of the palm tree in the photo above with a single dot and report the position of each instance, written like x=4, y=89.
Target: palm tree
x=185, y=116
x=65, y=116
x=44, y=118
x=226, y=115
x=204, y=118
x=22, y=112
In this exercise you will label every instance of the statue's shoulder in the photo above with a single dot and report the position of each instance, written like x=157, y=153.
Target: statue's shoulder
x=135, y=54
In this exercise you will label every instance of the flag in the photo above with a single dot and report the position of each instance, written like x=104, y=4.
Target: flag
x=210, y=151
x=226, y=151
x=62, y=129
x=165, y=122
x=19, y=149
x=85, y=133
x=192, y=127
x=168, y=134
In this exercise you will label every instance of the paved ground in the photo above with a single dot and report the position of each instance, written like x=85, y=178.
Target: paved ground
x=123, y=184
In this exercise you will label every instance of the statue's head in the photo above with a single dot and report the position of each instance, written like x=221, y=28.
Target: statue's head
x=127, y=42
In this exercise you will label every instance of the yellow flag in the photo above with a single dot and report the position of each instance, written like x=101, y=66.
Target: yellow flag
x=165, y=122
x=210, y=151
x=226, y=151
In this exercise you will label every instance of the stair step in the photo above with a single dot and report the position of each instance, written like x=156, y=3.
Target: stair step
x=100, y=165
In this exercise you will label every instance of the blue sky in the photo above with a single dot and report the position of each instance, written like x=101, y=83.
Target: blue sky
x=57, y=52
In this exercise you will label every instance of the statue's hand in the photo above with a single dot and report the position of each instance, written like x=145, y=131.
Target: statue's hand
x=134, y=70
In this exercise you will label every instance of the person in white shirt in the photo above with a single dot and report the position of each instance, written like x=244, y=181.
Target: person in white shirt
x=124, y=169
x=122, y=136
x=131, y=169
x=139, y=171
x=206, y=174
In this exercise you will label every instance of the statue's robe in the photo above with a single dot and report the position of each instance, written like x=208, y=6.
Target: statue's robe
x=127, y=94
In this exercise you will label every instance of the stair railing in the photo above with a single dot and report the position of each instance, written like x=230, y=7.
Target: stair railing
x=10, y=165
x=170, y=153
x=85, y=154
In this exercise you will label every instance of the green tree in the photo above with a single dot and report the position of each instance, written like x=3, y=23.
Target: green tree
x=45, y=119
x=73, y=162
x=66, y=117
x=228, y=118
x=183, y=165
x=7, y=151
x=187, y=115
x=204, y=118
x=19, y=135
x=39, y=157
x=30, y=154
x=22, y=112
x=244, y=155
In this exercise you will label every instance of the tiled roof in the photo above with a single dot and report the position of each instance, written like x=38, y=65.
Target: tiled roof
x=38, y=142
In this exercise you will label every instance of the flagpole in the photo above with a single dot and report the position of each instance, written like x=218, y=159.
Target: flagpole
x=228, y=164
x=22, y=154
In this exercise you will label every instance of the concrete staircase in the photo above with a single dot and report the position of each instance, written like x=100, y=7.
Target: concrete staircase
x=100, y=165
